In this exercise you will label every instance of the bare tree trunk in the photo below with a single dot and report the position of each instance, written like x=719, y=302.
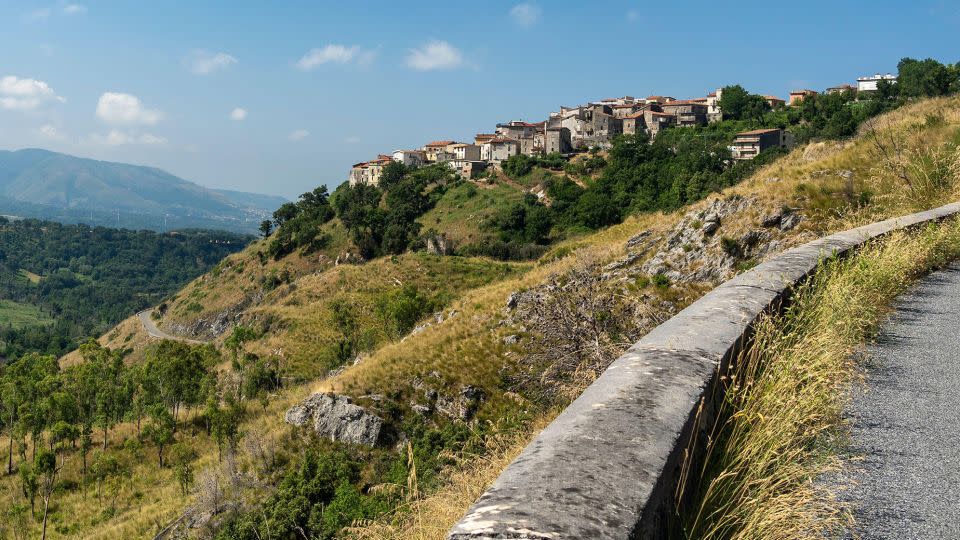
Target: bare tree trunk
x=46, y=507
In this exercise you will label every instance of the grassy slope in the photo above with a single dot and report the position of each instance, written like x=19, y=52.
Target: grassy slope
x=20, y=315
x=468, y=349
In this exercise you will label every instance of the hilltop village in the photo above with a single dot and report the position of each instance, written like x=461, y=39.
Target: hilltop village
x=595, y=125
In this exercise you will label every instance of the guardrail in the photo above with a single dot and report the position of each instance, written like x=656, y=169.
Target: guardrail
x=607, y=467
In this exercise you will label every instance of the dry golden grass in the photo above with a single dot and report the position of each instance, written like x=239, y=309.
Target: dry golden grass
x=785, y=396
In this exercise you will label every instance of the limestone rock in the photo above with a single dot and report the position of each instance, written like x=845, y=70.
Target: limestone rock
x=336, y=417
x=439, y=244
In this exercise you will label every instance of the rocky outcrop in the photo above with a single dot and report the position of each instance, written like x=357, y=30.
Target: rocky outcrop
x=694, y=250
x=337, y=418
x=439, y=244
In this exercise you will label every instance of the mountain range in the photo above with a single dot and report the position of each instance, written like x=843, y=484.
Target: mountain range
x=50, y=185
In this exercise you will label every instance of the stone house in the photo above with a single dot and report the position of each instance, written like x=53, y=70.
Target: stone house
x=714, y=114
x=626, y=109
x=557, y=140
x=433, y=148
x=688, y=112
x=369, y=172
x=466, y=152
x=590, y=125
x=634, y=124
x=656, y=121
x=749, y=144
x=841, y=88
x=410, y=158
x=466, y=168
x=499, y=149
x=517, y=129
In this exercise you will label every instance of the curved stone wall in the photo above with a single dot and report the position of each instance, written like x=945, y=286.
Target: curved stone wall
x=608, y=465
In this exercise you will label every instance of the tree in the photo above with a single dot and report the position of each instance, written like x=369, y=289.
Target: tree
x=45, y=468
x=160, y=430
x=737, y=104
x=29, y=484
x=181, y=458
x=225, y=425
x=266, y=227
x=923, y=78
x=392, y=174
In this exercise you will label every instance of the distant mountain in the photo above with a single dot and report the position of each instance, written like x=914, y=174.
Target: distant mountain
x=252, y=200
x=44, y=184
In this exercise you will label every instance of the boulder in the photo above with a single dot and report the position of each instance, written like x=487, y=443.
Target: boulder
x=336, y=417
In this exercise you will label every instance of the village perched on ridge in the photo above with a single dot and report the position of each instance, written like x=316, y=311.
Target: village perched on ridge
x=595, y=124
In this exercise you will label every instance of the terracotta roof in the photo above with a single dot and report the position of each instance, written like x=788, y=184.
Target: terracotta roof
x=757, y=132
x=802, y=92
x=679, y=102
x=775, y=98
x=439, y=143
x=499, y=139
x=712, y=94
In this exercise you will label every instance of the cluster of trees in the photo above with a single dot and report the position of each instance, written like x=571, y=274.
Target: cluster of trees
x=92, y=278
x=299, y=225
x=382, y=219
x=379, y=219
x=48, y=412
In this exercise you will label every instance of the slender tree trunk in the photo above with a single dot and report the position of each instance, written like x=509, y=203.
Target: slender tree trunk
x=104, y=436
x=46, y=506
x=10, y=456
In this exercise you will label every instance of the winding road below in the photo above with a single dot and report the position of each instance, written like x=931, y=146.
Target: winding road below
x=151, y=328
x=905, y=420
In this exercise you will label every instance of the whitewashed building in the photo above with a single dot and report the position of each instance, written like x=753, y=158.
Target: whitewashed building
x=869, y=83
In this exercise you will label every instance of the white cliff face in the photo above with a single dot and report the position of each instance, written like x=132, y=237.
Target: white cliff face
x=337, y=418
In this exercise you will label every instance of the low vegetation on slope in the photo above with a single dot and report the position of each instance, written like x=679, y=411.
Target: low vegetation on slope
x=461, y=357
x=785, y=397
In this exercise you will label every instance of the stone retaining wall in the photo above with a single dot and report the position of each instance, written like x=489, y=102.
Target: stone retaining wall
x=608, y=466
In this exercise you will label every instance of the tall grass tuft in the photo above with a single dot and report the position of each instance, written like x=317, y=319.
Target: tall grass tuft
x=781, y=425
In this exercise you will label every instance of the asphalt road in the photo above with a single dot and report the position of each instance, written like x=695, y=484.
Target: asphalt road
x=154, y=331
x=906, y=420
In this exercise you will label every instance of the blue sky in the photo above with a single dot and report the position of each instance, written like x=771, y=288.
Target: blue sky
x=280, y=97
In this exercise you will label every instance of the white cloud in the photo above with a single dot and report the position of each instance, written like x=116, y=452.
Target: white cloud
x=526, y=15
x=299, y=135
x=18, y=94
x=205, y=62
x=74, y=9
x=238, y=114
x=120, y=138
x=50, y=132
x=435, y=55
x=337, y=54
x=124, y=109
x=353, y=139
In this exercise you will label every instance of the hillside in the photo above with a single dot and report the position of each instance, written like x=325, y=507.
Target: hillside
x=462, y=357
x=49, y=185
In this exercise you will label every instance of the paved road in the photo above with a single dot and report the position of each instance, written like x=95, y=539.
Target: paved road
x=906, y=421
x=154, y=331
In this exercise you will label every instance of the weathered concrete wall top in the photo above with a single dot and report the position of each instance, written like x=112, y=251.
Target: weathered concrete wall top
x=607, y=467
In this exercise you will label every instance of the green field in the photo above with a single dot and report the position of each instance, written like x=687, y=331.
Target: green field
x=21, y=315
